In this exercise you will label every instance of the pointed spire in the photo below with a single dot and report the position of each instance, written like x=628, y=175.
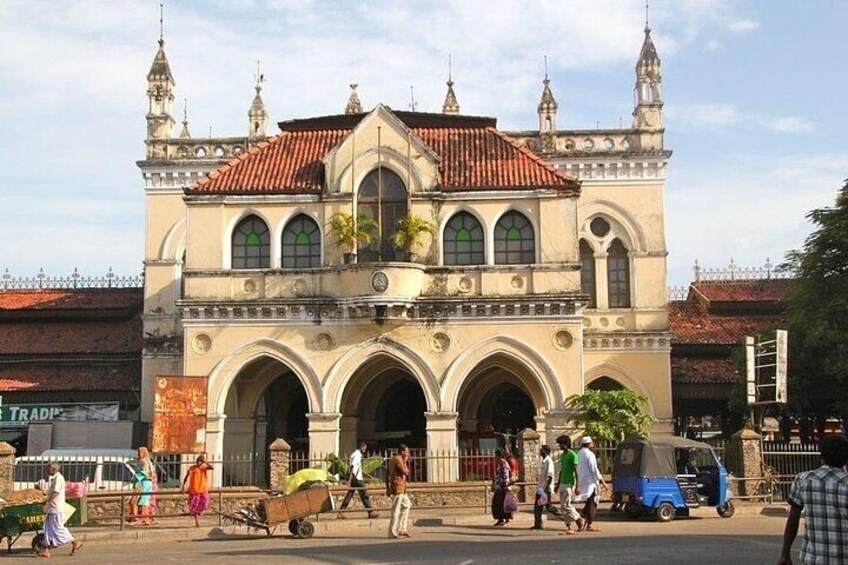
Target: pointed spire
x=413, y=104
x=257, y=115
x=648, y=54
x=547, y=105
x=160, y=67
x=354, y=106
x=184, y=134
x=451, y=106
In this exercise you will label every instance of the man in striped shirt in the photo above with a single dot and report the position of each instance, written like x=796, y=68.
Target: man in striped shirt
x=823, y=495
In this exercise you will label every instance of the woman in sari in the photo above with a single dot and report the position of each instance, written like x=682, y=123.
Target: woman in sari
x=501, y=483
x=143, y=476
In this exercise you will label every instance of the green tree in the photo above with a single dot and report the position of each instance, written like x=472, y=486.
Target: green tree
x=818, y=314
x=610, y=415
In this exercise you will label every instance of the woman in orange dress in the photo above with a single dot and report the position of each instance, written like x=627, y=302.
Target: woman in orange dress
x=198, y=488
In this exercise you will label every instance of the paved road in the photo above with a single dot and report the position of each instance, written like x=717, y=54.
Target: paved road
x=743, y=540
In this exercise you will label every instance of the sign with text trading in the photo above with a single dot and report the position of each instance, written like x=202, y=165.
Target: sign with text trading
x=179, y=414
x=23, y=414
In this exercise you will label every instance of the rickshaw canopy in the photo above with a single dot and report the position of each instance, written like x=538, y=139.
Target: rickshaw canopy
x=652, y=457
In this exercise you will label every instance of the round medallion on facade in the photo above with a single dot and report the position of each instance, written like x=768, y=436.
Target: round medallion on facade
x=219, y=151
x=201, y=344
x=200, y=152
x=569, y=145
x=619, y=322
x=299, y=287
x=587, y=322
x=517, y=282
x=599, y=227
x=588, y=144
x=380, y=282
x=563, y=339
x=237, y=150
x=440, y=342
x=604, y=322
x=249, y=286
x=608, y=144
x=464, y=284
x=324, y=342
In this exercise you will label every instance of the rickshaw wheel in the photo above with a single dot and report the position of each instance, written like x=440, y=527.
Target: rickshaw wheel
x=727, y=510
x=305, y=529
x=37, y=542
x=293, y=526
x=633, y=510
x=666, y=512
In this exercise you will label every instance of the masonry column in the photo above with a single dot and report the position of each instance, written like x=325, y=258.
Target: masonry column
x=7, y=467
x=323, y=433
x=348, y=428
x=442, y=454
x=744, y=458
x=280, y=464
x=215, y=444
x=528, y=445
x=556, y=424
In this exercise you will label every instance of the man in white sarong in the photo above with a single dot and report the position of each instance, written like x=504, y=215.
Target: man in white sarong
x=589, y=481
x=55, y=532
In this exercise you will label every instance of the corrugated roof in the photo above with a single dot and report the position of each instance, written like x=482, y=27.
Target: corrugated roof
x=471, y=158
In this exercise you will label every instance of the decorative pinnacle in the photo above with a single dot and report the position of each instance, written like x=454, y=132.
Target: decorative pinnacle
x=259, y=78
x=450, y=71
x=647, y=27
x=546, y=70
x=413, y=105
x=161, y=24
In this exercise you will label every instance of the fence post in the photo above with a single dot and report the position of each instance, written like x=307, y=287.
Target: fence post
x=7, y=467
x=528, y=444
x=744, y=456
x=280, y=463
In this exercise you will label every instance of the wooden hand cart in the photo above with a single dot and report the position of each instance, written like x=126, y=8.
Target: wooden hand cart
x=292, y=508
x=18, y=519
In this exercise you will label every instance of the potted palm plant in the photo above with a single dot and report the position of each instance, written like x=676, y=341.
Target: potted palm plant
x=407, y=236
x=349, y=233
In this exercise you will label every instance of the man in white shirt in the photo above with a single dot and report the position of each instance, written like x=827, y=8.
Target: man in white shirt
x=55, y=532
x=356, y=481
x=589, y=481
x=543, y=486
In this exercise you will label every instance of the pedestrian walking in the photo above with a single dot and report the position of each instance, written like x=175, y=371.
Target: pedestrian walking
x=500, y=488
x=543, y=486
x=142, y=501
x=356, y=482
x=566, y=482
x=55, y=532
x=822, y=494
x=197, y=481
x=398, y=475
x=589, y=482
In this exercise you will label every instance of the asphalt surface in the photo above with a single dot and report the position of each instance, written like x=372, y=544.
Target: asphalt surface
x=743, y=540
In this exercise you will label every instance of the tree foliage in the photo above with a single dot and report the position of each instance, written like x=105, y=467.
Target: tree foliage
x=818, y=315
x=610, y=415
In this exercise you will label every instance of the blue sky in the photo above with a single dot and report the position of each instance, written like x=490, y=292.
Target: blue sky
x=754, y=102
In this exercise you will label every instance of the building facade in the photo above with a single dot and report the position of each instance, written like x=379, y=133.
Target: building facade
x=544, y=274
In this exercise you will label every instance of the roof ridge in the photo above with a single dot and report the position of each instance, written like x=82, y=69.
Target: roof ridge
x=538, y=160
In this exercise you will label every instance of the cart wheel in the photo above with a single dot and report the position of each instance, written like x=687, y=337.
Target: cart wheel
x=633, y=510
x=305, y=529
x=37, y=542
x=293, y=526
x=726, y=510
x=666, y=512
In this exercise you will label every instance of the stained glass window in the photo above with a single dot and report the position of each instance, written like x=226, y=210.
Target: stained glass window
x=515, y=240
x=251, y=244
x=383, y=189
x=618, y=275
x=301, y=243
x=463, y=241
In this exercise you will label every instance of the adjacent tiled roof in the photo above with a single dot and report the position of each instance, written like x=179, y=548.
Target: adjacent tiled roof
x=113, y=376
x=473, y=156
x=70, y=336
x=757, y=291
x=690, y=322
x=79, y=299
x=702, y=371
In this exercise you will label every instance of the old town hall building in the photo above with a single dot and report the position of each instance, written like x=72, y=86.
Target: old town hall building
x=544, y=273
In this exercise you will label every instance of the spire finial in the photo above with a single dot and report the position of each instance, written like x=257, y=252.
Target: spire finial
x=450, y=70
x=259, y=78
x=546, y=69
x=161, y=24
x=185, y=111
x=647, y=9
x=413, y=105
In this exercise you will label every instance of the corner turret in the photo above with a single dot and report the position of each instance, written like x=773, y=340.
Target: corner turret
x=647, y=114
x=547, y=106
x=160, y=95
x=257, y=115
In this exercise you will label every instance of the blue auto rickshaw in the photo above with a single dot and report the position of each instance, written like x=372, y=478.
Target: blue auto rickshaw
x=667, y=476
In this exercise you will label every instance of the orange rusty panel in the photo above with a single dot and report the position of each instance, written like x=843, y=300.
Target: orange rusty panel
x=301, y=504
x=179, y=414
x=276, y=510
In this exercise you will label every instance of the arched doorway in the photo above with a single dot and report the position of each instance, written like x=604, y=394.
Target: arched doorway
x=266, y=401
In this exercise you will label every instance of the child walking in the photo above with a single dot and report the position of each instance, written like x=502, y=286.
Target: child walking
x=198, y=488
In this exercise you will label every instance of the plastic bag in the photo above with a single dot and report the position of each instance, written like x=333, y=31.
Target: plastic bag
x=510, y=502
x=542, y=500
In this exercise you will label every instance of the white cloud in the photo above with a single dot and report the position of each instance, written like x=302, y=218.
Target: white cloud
x=743, y=26
x=724, y=115
x=789, y=124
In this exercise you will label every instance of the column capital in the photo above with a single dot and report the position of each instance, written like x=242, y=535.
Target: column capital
x=441, y=416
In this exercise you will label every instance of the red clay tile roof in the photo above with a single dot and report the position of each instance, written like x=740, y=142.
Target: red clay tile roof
x=700, y=371
x=689, y=322
x=761, y=290
x=112, y=376
x=76, y=299
x=472, y=158
x=71, y=336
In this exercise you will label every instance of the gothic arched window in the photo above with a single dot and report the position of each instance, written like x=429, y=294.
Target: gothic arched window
x=605, y=383
x=301, y=243
x=618, y=275
x=463, y=241
x=382, y=196
x=587, y=273
x=515, y=240
x=251, y=244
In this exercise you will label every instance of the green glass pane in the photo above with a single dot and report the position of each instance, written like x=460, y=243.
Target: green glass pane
x=463, y=235
x=253, y=239
x=302, y=239
x=513, y=234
